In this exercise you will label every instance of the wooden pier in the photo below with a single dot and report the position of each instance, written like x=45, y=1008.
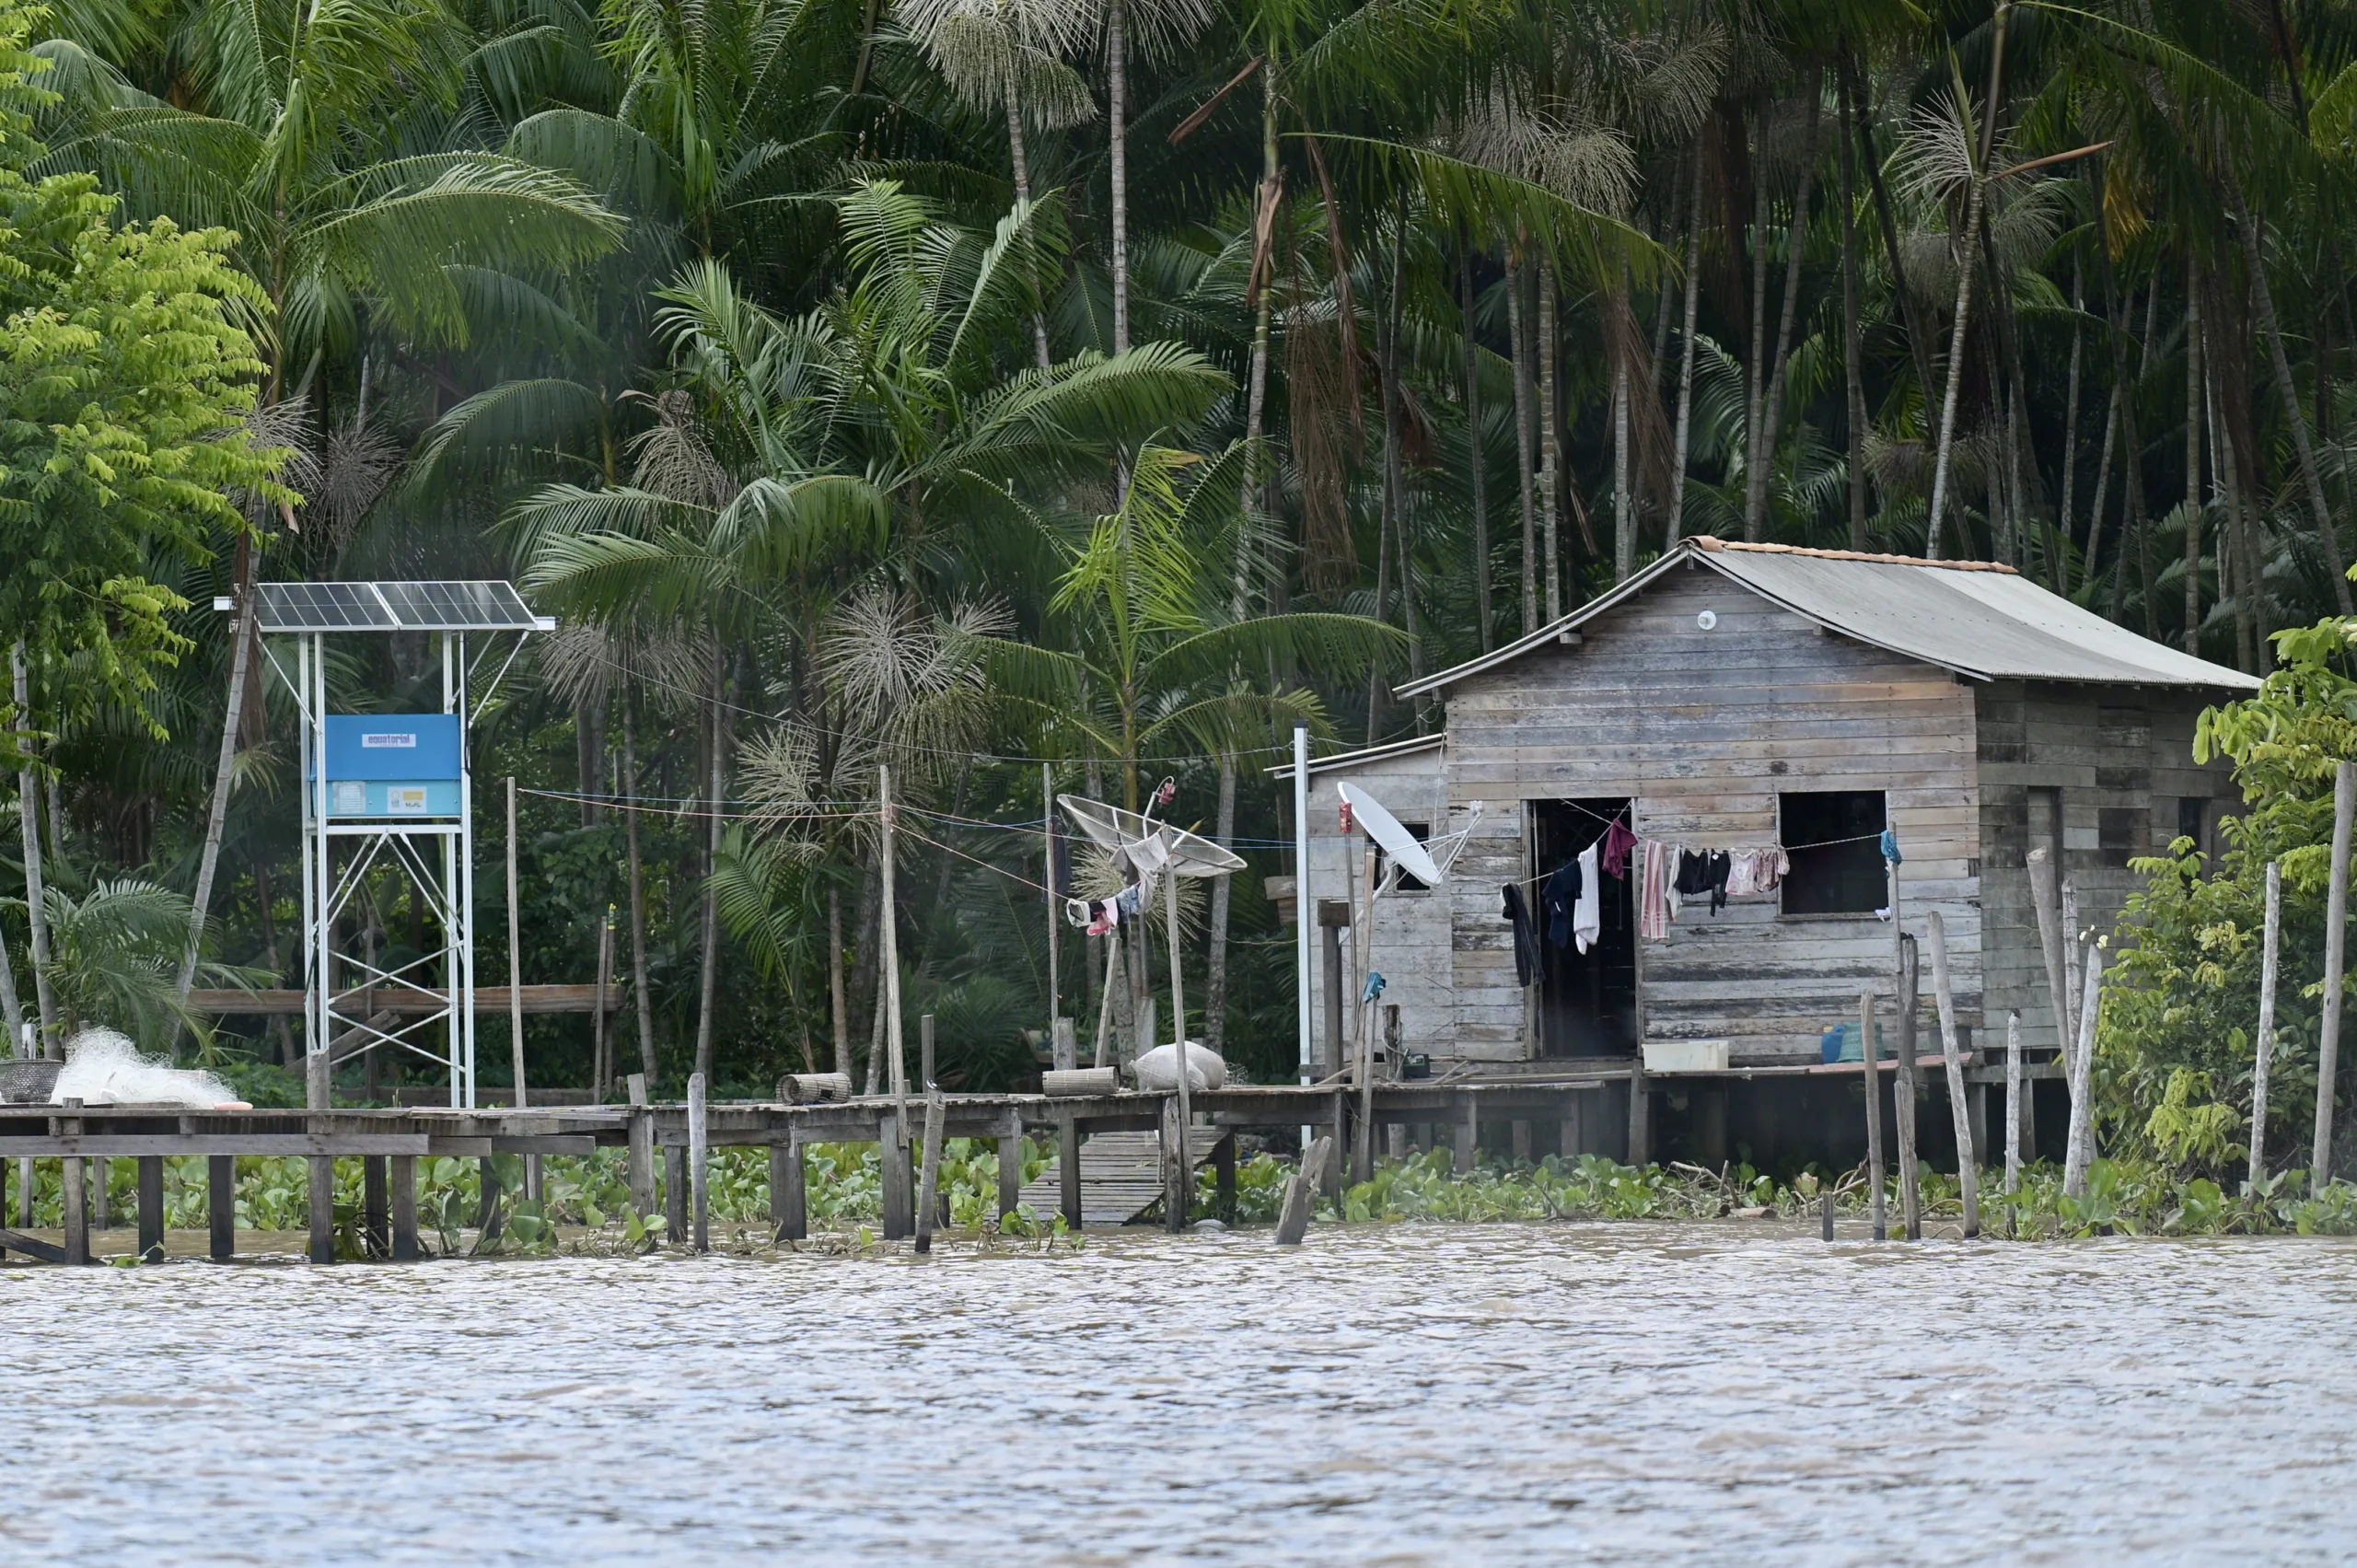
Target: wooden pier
x=390, y=1142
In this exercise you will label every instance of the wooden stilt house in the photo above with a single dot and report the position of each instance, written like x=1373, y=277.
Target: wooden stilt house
x=1741, y=698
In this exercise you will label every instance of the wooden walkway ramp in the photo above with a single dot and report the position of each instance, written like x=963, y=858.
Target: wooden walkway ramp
x=1121, y=1176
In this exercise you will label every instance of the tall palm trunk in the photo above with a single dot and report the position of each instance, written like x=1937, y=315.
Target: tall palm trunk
x=36, y=890
x=2311, y=479
x=2192, y=458
x=1771, y=411
x=1022, y=194
x=1550, y=440
x=1215, y=968
x=1624, y=521
x=1256, y=394
x=1519, y=347
x=1968, y=253
x=2058, y=551
x=1676, y=522
x=209, y=857
x=1852, y=357
x=1755, y=347
x=1475, y=458
x=1117, y=94
x=1918, y=336
x=637, y=895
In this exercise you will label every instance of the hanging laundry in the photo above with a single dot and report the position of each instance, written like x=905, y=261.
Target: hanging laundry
x=1617, y=842
x=1587, y=913
x=1653, y=907
x=1740, y=864
x=1721, y=866
x=1556, y=898
x=1773, y=867
x=1525, y=936
x=1694, y=873
x=1131, y=898
x=1890, y=846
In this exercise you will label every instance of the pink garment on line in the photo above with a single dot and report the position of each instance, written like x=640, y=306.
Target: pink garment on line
x=1653, y=912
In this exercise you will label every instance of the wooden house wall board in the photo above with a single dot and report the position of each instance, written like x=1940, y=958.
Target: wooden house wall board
x=1413, y=930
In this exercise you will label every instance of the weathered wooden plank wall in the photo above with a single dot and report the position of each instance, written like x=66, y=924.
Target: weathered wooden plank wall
x=1705, y=728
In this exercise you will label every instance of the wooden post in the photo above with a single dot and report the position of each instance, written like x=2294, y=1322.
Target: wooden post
x=151, y=1208
x=894, y=1041
x=699, y=1172
x=642, y=1149
x=101, y=1194
x=1068, y=1167
x=898, y=1202
x=1827, y=1207
x=322, y=1207
x=1468, y=1131
x=1910, y=1195
x=1518, y=1133
x=925, y=1052
x=375, y=1203
x=1967, y=1158
x=76, y=1193
x=489, y=1216
x=2266, y=1059
x=1641, y=1113
x=790, y=1188
x=1568, y=1133
x=402, y=1174
x=1183, y=1111
x=1872, y=1054
x=221, y=1204
x=2073, y=972
x=1329, y=1170
x=1362, y=1153
x=929, y=1178
x=2014, y=1098
x=2080, y=1148
x=675, y=1195
x=1010, y=1163
x=1063, y=1045
x=1177, y=1198
x=2336, y=947
x=1293, y=1222
x=1224, y=1169
x=2050, y=938
x=601, y=1055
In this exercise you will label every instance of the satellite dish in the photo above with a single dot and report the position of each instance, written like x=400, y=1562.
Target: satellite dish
x=1396, y=841
x=1191, y=855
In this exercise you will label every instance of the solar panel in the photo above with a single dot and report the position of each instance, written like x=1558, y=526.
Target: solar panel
x=394, y=606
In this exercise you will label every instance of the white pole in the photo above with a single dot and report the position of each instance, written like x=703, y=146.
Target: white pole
x=1304, y=908
x=1048, y=859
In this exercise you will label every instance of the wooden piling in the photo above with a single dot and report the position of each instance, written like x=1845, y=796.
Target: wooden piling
x=699, y=1164
x=1520, y=1136
x=790, y=1190
x=401, y=1174
x=1903, y=1092
x=1826, y=1206
x=1224, y=1174
x=322, y=1208
x=899, y=1200
x=642, y=1149
x=376, y=1222
x=1871, y=1053
x=1293, y=1220
x=1468, y=1131
x=151, y=1208
x=101, y=1209
x=1641, y=1113
x=75, y=1192
x=925, y=1052
x=1177, y=1178
x=221, y=1204
x=675, y=1195
x=2014, y=1096
x=2265, y=1061
x=1363, y=1152
x=2047, y=900
x=1010, y=1164
x=1967, y=1158
x=2080, y=1150
x=491, y=1214
x=1068, y=1168
x=929, y=1180
x=1329, y=1168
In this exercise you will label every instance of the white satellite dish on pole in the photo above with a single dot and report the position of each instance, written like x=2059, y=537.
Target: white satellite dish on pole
x=1406, y=852
x=1191, y=855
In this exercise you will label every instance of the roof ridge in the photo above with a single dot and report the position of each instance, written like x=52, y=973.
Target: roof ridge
x=1712, y=542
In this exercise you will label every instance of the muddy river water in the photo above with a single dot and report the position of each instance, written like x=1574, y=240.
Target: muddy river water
x=1733, y=1393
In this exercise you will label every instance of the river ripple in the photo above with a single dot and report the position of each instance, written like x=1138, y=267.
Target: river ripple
x=1505, y=1394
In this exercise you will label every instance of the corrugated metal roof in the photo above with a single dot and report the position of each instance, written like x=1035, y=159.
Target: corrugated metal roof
x=1989, y=623
x=1364, y=754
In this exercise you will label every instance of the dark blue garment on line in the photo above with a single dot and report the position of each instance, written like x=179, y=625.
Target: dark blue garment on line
x=1556, y=899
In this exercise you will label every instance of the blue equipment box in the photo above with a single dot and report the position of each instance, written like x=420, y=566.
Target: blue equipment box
x=393, y=765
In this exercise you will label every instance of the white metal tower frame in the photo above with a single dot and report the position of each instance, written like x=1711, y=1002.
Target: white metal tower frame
x=435, y=856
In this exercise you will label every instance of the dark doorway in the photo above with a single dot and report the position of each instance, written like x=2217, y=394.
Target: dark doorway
x=1587, y=1001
